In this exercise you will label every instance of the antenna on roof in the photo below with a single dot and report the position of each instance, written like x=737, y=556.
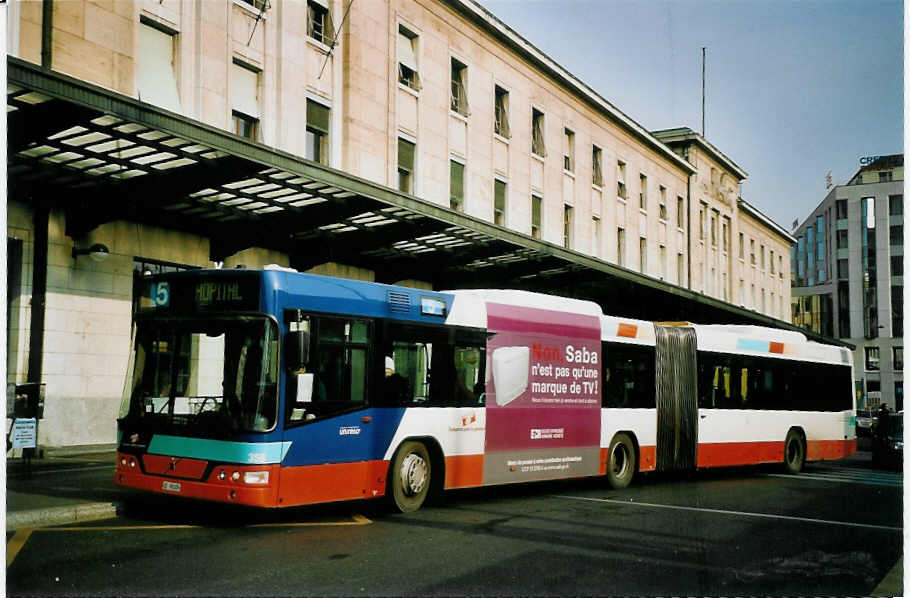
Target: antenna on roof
x=703, y=91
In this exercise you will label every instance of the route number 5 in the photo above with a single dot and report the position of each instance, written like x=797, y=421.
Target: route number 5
x=161, y=294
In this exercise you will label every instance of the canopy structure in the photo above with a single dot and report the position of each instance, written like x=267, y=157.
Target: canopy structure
x=102, y=156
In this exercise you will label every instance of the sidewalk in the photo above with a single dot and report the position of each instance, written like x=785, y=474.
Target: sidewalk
x=60, y=489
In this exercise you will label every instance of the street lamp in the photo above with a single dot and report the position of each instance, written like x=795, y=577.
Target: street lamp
x=97, y=252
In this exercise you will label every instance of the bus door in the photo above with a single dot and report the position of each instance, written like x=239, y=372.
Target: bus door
x=677, y=405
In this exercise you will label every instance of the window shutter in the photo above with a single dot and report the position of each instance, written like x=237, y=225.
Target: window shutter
x=406, y=52
x=317, y=116
x=245, y=91
x=405, y=155
x=156, y=78
x=456, y=185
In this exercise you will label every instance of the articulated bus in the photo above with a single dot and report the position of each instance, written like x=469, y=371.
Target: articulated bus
x=273, y=388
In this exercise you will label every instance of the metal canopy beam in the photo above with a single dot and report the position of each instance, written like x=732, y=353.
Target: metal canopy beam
x=155, y=166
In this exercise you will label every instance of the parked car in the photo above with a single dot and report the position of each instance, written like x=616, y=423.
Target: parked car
x=888, y=442
x=865, y=421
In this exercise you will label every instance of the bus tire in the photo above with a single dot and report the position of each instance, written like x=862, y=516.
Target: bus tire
x=794, y=452
x=621, y=461
x=409, y=477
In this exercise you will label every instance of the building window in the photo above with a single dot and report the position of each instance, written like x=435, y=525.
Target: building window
x=762, y=253
x=742, y=247
x=536, y=205
x=621, y=191
x=537, y=140
x=885, y=177
x=872, y=359
x=680, y=269
x=898, y=395
x=713, y=231
x=897, y=358
x=897, y=235
x=771, y=262
x=843, y=308
x=621, y=246
x=680, y=212
x=456, y=186
x=643, y=192
x=595, y=236
x=459, y=88
x=662, y=207
x=752, y=251
x=896, y=205
x=897, y=265
x=245, y=126
x=843, y=271
x=408, y=73
x=319, y=23
x=643, y=255
x=663, y=262
x=597, y=176
x=841, y=208
x=869, y=266
x=501, y=125
x=405, y=166
x=841, y=239
x=156, y=71
x=568, y=158
x=499, y=202
x=897, y=310
x=245, y=101
x=317, y=132
x=567, y=226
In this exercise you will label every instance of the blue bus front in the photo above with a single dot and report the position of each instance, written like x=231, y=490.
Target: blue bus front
x=199, y=416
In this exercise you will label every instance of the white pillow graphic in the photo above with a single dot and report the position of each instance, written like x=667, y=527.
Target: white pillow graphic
x=510, y=373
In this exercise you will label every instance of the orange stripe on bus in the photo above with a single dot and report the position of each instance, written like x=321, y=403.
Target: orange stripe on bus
x=628, y=330
x=308, y=484
x=776, y=348
x=725, y=454
x=464, y=471
x=648, y=458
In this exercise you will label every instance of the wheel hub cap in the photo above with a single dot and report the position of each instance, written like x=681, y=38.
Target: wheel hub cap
x=414, y=473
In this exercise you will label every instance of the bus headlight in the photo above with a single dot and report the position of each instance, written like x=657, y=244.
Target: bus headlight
x=897, y=445
x=255, y=477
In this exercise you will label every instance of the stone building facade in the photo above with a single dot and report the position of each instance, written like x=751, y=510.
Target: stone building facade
x=438, y=99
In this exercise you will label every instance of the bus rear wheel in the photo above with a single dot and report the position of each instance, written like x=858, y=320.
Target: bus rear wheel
x=621, y=461
x=409, y=478
x=794, y=452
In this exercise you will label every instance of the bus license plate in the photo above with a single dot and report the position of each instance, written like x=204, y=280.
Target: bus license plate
x=171, y=486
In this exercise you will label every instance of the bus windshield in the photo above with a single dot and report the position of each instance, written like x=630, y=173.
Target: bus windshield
x=205, y=376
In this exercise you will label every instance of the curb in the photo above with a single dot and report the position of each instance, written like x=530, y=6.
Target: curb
x=61, y=515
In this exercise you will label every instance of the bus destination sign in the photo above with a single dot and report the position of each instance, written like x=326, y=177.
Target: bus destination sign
x=206, y=294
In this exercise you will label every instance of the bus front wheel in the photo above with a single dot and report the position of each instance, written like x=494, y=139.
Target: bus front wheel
x=794, y=452
x=409, y=478
x=621, y=461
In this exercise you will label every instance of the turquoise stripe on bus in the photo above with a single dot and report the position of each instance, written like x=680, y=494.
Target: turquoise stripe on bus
x=256, y=453
x=748, y=344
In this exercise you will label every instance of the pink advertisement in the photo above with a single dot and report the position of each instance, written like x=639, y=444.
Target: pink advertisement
x=543, y=394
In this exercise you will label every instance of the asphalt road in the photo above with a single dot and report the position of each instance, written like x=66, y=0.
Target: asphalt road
x=836, y=529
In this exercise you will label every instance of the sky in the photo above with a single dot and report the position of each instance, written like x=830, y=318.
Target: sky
x=794, y=88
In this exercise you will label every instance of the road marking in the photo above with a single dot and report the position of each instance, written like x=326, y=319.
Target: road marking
x=16, y=543
x=736, y=513
x=355, y=520
x=840, y=478
x=19, y=475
